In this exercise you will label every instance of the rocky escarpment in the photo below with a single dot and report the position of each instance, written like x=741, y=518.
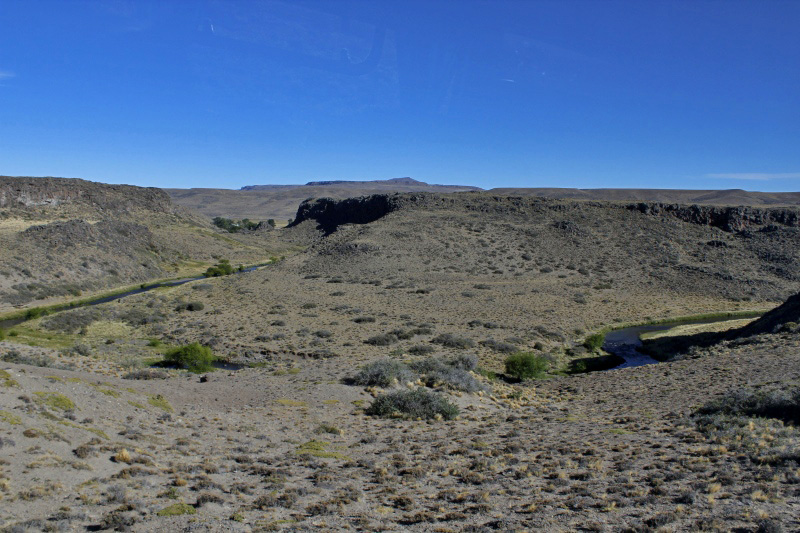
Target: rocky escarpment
x=330, y=213
x=731, y=219
x=67, y=196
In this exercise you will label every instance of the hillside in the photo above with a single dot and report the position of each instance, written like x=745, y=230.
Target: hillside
x=66, y=237
x=500, y=272
x=262, y=202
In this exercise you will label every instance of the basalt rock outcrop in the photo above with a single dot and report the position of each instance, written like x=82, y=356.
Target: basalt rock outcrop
x=731, y=219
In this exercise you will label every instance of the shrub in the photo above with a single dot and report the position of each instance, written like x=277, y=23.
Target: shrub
x=146, y=373
x=14, y=356
x=451, y=341
x=450, y=374
x=193, y=357
x=498, y=346
x=465, y=361
x=364, y=319
x=383, y=373
x=195, y=306
x=526, y=365
x=421, y=350
x=384, y=339
x=417, y=403
x=2, y=334
x=595, y=342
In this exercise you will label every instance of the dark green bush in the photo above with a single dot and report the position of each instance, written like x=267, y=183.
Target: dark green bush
x=195, y=306
x=526, y=365
x=223, y=268
x=193, y=357
x=595, y=342
x=2, y=334
x=417, y=403
x=35, y=312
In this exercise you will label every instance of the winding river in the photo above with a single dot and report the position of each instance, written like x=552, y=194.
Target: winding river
x=625, y=342
x=11, y=322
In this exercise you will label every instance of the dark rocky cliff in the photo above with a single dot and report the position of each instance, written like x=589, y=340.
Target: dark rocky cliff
x=731, y=219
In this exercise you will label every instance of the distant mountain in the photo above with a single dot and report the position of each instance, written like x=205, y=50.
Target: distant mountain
x=261, y=202
x=393, y=184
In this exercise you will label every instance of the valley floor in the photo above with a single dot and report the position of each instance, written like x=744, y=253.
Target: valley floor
x=599, y=452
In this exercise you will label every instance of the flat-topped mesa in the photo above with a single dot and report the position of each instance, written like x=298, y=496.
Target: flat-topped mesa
x=25, y=193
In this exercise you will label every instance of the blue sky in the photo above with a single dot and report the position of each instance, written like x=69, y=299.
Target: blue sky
x=593, y=93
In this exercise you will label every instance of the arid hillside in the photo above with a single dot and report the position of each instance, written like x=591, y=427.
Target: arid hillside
x=65, y=237
x=499, y=273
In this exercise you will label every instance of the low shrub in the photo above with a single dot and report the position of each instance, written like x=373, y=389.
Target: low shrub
x=499, y=346
x=193, y=357
x=383, y=373
x=384, y=339
x=195, y=306
x=465, y=361
x=417, y=403
x=421, y=350
x=526, y=365
x=146, y=373
x=448, y=374
x=14, y=356
x=451, y=341
x=2, y=334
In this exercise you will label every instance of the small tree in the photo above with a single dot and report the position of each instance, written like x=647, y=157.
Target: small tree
x=271, y=222
x=193, y=357
x=526, y=365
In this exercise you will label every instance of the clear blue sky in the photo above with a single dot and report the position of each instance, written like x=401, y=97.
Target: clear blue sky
x=593, y=93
